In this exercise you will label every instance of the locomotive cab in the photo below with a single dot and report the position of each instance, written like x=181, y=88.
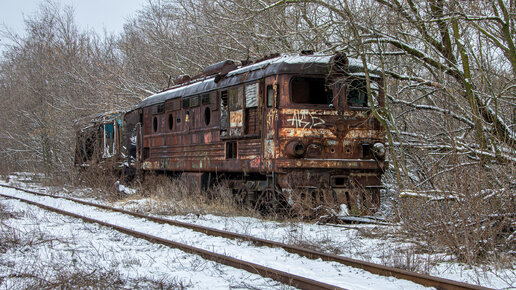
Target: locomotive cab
x=330, y=145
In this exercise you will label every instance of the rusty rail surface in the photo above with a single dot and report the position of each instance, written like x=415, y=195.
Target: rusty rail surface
x=422, y=279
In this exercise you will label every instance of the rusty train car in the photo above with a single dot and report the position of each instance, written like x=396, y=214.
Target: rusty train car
x=289, y=130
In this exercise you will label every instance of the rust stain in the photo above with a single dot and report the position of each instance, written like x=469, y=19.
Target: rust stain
x=269, y=149
x=309, y=111
x=357, y=134
x=207, y=137
x=235, y=119
x=302, y=132
x=255, y=162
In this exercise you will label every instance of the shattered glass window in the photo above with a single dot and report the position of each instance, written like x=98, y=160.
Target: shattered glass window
x=357, y=93
x=235, y=98
x=251, y=95
x=314, y=91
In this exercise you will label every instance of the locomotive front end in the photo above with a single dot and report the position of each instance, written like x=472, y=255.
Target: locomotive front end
x=331, y=146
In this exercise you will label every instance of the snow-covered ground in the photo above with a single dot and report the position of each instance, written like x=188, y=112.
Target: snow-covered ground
x=52, y=249
x=134, y=262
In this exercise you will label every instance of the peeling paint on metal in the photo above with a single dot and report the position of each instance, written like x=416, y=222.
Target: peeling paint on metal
x=302, y=132
x=235, y=119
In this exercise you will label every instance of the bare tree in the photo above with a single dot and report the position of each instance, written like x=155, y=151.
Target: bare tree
x=48, y=78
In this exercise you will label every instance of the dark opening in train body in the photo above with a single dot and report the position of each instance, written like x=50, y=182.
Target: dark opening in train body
x=289, y=130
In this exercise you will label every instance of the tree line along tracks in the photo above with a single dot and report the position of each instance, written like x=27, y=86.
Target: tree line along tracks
x=280, y=276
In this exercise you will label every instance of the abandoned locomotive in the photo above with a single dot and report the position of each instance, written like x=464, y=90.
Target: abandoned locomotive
x=293, y=130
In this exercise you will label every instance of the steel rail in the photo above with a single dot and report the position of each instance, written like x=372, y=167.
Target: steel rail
x=422, y=279
x=277, y=275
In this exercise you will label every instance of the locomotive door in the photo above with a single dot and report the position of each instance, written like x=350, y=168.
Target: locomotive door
x=269, y=121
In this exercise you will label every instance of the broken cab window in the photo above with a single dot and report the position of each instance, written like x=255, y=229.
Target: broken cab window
x=314, y=91
x=155, y=124
x=207, y=116
x=270, y=96
x=235, y=98
x=170, y=122
x=357, y=93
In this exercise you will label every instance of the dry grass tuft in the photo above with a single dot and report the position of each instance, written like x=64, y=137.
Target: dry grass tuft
x=170, y=196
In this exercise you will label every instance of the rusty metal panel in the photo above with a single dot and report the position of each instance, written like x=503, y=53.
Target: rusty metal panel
x=235, y=123
x=172, y=105
x=248, y=149
x=235, y=96
x=252, y=125
x=147, y=121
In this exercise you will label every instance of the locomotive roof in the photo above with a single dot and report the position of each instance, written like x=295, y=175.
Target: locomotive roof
x=285, y=64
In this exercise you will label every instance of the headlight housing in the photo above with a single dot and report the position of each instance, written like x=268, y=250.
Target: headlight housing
x=296, y=149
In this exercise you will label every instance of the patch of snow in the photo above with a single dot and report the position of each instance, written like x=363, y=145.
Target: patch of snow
x=124, y=189
x=77, y=247
x=343, y=210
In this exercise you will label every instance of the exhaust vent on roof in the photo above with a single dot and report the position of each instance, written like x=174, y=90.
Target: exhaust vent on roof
x=223, y=68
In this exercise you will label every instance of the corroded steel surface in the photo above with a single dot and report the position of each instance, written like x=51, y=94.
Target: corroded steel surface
x=265, y=122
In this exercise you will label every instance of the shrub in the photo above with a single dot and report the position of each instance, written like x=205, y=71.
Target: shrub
x=471, y=217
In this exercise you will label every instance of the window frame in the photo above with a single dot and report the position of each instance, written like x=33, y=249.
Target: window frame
x=348, y=82
x=327, y=106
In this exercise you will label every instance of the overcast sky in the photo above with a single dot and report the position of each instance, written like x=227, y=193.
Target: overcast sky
x=89, y=14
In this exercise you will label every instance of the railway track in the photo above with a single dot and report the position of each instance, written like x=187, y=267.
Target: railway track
x=284, y=277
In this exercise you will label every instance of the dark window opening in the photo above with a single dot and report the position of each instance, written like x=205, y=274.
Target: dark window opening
x=205, y=99
x=161, y=108
x=194, y=101
x=170, y=122
x=366, y=151
x=186, y=103
x=313, y=91
x=223, y=110
x=207, y=116
x=231, y=150
x=339, y=181
x=155, y=124
x=89, y=148
x=357, y=93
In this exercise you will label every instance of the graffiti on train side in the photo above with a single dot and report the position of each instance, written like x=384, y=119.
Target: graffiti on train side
x=304, y=119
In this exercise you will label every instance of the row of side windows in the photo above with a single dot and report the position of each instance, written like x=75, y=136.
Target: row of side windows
x=189, y=106
x=237, y=104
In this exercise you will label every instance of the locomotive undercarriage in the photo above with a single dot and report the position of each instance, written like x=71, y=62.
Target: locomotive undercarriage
x=305, y=192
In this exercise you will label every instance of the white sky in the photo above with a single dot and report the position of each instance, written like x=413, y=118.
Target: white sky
x=89, y=14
